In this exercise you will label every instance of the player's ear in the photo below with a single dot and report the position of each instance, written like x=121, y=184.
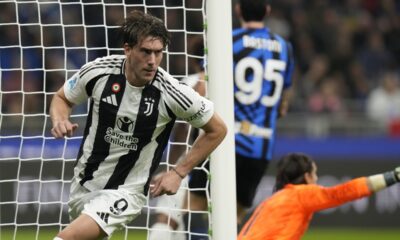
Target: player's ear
x=127, y=49
x=308, y=178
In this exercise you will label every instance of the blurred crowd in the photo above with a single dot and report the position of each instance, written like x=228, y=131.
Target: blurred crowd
x=347, y=51
x=348, y=55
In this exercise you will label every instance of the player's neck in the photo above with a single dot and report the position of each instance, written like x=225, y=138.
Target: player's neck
x=252, y=24
x=134, y=81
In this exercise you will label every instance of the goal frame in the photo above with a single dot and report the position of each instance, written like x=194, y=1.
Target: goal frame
x=222, y=161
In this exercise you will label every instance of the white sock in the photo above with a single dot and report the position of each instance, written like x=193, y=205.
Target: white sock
x=57, y=238
x=160, y=231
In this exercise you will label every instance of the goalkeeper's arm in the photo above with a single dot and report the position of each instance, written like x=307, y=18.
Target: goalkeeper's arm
x=380, y=181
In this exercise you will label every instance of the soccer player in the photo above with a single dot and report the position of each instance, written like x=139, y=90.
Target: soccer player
x=263, y=65
x=287, y=213
x=133, y=106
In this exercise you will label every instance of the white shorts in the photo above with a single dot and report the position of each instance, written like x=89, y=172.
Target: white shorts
x=111, y=209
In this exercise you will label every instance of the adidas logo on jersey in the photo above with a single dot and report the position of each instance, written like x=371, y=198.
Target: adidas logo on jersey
x=111, y=100
x=103, y=216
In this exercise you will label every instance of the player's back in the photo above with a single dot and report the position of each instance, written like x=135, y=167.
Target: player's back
x=263, y=64
x=280, y=217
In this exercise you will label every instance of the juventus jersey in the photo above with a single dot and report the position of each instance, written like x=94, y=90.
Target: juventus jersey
x=128, y=127
x=263, y=65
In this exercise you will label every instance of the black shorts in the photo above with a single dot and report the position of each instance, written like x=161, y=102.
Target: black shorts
x=198, y=179
x=249, y=172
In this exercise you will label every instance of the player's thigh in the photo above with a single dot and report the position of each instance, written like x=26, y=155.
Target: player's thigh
x=83, y=227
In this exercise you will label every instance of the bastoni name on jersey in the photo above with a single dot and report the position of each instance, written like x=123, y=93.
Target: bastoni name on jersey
x=262, y=43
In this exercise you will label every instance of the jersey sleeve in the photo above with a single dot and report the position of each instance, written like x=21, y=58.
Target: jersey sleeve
x=75, y=87
x=74, y=90
x=188, y=105
x=315, y=198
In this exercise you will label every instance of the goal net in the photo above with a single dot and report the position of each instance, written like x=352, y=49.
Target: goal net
x=42, y=44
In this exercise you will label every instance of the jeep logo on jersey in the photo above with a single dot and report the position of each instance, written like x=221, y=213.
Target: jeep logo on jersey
x=125, y=124
x=149, y=106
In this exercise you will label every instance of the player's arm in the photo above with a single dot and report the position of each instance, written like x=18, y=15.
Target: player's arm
x=319, y=198
x=286, y=93
x=284, y=103
x=214, y=132
x=60, y=110
x=381, y=181
x=315, y=197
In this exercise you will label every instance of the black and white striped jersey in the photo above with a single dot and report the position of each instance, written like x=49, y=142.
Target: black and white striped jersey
x=128, y=127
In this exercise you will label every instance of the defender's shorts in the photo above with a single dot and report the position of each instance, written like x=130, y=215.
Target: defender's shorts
x=111, y=209
x=249, y=172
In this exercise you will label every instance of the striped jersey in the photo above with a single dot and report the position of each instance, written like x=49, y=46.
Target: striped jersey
x=263, y=65
x=128, y=127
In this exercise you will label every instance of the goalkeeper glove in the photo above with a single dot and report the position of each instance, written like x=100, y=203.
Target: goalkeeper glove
x=397, y=173
x=381, y=181
x=392, y=177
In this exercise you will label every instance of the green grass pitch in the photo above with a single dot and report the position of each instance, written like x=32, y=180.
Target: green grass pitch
x=312, y=234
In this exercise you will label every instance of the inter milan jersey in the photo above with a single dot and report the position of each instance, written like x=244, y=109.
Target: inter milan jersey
x=263, y=65
x=128, y=127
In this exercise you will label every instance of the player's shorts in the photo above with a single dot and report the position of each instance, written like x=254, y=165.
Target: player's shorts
x=111, y=209
x=198, y=179
x=249, y=172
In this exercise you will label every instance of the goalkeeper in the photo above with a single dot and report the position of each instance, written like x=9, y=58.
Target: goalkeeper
x=287, y=213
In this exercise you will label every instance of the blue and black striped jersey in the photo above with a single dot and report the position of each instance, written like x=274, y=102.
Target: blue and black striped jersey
x=263, y=65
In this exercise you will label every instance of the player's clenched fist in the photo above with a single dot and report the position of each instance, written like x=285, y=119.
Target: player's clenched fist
x=63, y=128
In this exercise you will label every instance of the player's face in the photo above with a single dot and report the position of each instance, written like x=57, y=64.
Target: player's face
x=142, y=60
x=312, y=177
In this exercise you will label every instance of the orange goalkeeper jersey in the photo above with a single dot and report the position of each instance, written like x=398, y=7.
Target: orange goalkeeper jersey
x=287, y=214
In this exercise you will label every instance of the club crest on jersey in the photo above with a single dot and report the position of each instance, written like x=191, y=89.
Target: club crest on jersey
x=116, y=87
x=149, y=106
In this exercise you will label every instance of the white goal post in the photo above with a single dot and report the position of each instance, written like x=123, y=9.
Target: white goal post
x=219, y=42
x=42, y=44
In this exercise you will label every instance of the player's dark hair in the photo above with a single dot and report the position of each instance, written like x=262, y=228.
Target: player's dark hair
x=291, y=169
x=138, y=25
x=253, y=10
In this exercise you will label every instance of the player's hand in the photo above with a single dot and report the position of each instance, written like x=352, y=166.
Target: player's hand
x=165, y=183
x=397, y=173
x=63, y=129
